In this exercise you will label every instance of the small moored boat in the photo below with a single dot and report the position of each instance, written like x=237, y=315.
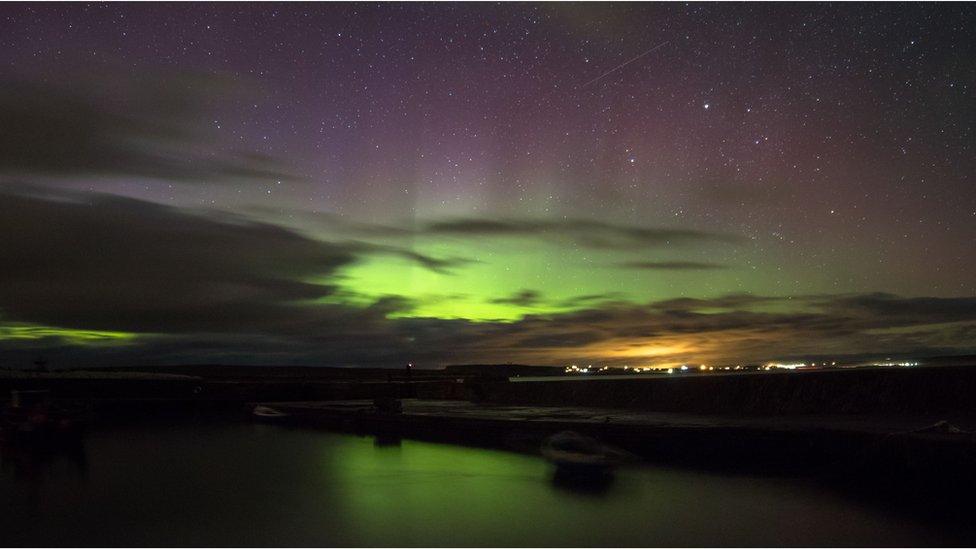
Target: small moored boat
x=573, y=453
x=267, y=412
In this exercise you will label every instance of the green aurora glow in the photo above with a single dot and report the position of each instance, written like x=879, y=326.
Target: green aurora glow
x=30, y=332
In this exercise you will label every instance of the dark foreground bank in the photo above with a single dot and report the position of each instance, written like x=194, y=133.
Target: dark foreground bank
x=922, y=464
x=194, y=482
x=896, y=440
x=944, y=390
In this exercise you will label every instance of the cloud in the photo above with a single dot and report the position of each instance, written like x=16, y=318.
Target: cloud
x=584, y=232
x=671, y=265
x=569, y=339
x=373, y=238
x=219, y=288
x=440, y=265
x=897, y=310
x=103, y=262
x=580, y=301
x=740, y=301
x=524, y=298
x=731, y=328
x=327, y=222
x=107, y=124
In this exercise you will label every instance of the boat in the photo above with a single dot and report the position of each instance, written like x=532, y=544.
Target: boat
x=267, y=412
x=576, y=454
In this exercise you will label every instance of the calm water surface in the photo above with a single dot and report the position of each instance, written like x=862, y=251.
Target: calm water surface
x=241, y=484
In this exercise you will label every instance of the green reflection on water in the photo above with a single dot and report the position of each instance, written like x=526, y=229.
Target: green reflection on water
x=419, y=491
x=203, y=484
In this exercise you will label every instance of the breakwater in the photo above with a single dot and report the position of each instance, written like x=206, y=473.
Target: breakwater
x=946, y=390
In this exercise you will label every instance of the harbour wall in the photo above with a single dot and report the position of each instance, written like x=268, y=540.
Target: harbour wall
x=948, y=390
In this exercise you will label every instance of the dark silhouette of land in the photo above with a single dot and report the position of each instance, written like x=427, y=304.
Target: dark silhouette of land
x=900, y=431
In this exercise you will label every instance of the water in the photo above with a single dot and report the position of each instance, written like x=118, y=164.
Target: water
x=239, y=484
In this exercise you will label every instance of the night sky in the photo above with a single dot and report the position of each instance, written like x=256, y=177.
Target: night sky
x=363, y=184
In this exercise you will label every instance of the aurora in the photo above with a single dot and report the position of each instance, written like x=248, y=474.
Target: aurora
x=374, y=185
